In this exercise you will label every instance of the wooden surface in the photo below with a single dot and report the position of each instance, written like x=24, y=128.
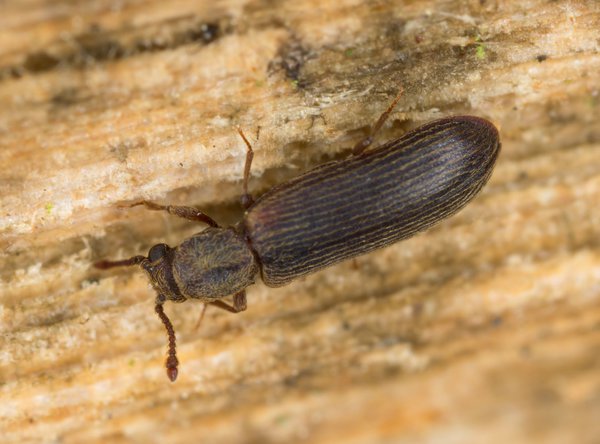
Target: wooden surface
x=484, y=329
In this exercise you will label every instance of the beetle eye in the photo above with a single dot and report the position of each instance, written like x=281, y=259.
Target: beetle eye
x=157, y=252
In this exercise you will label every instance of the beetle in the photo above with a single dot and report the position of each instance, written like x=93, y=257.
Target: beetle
x=336, y=211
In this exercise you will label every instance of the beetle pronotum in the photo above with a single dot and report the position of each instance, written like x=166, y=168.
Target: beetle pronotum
x=336, y=211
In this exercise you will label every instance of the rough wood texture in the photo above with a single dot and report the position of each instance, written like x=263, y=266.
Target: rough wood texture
x=487, y=326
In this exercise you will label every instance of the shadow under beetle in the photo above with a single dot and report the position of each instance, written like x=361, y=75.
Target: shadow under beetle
x=337, y=211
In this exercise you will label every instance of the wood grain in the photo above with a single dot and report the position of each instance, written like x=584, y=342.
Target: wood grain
x=487, y=325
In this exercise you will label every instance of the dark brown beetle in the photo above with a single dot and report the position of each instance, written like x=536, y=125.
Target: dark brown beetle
x=334, y=212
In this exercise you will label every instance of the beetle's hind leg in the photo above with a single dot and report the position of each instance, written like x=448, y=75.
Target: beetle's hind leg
x=367, y=141
x=246, y=198
x=189, y=213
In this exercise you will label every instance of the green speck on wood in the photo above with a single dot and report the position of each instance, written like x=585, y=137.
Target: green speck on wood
x=480, y=52
x=281, y=419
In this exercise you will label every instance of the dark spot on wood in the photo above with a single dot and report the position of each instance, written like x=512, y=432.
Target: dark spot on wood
x=40, y=61
x=205, y=33
x=541, y=58
x=150, y=45
x=100, y=45
x=418, y=309
x=121, y=150
x=459, y=51
x=290, y=58
x=14, y=71
x=290, y=381
x=394, y=32
x=67, y=97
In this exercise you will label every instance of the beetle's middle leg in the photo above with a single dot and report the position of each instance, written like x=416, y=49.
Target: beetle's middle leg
x=367, y=141
x=239, y=303
x=189, y=213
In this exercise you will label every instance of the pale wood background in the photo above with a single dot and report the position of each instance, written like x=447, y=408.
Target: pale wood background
x=485, y=329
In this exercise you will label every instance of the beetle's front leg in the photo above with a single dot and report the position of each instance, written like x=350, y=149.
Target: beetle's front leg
x=135, y=260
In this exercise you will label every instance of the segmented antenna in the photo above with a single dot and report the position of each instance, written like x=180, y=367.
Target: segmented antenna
x=172, y=361
x=135, y=260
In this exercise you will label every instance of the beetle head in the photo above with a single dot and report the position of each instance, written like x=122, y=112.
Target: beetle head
x=159, y=268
